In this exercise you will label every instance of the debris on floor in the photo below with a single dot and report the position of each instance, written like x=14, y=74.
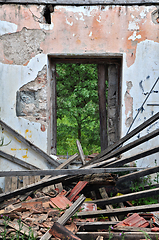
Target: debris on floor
x=83, y=206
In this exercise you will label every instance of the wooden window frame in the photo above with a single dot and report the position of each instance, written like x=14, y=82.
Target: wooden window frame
x=53, y=59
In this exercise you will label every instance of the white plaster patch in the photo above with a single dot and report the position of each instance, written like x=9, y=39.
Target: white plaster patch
x=69, y=23
x=99, y=19
x=81, y=18
x=7, y=27
x=90, y=34
x=87, y=11
x=133, y=26
x=46, y=26
x=143, y=14
x=134, y=36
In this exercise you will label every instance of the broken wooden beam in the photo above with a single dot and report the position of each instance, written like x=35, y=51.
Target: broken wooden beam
x=138, y=174
x=32, y=187
x=121, y=162
x=117, y=235
x=66, y=216
x=88, y=226
x=17, y=161
x=56, y=172
x=127, y=197
x=60, y=232
x=80, y=151
x=125, y=138
x=104, y=194
x=68, y=161
x=119, y=211
x=129, y=146
x=52, y=161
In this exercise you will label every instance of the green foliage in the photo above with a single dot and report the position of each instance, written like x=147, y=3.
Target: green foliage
x=110, y=233
x=137, y=186
x=2, y=142
x=77, y=108
x=18, y=234
x=146, y=235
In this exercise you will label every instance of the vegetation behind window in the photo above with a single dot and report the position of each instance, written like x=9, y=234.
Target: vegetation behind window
x=77, y=108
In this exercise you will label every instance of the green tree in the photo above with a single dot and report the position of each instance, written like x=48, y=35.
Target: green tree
x=77, y=108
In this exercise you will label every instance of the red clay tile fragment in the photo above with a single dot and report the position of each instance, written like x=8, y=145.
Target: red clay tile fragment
x=88, y=207
x=155, y=229
x=134, y=221
x=76, y=190
x=61, y=201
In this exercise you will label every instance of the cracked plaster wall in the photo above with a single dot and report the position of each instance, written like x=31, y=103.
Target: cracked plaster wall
x=26, y=40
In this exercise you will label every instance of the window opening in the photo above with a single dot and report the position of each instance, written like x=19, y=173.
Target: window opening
x=47, y=13
x=62, y=79
x=77, y=108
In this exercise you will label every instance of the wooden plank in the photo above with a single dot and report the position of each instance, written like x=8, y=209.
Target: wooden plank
x=60, y=232
x=131, y=229
x=141, y=173
x=29, y=144
x=80, y=151
x=26, y=181
x=102, y=106
x=131, y=145
x=116, y=235
x=127, y=197
x=56, y=172
x=53, y=113
x=90, y=226
x=120, y=211
x=66, y=216
x=8, y=184
x=125, y=138
x=32, y=187
x=82, y=2
x=105, y=195
x=17, y=161
x=14, y=183
x=113, y=102
x=68, y=161
x=120, y=162
x=24, y=229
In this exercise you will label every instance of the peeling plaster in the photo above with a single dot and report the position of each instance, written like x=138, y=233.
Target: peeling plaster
x=128, y=104
x=69, y=23
x=47, y=27
x=134, y=36
x=20, y=47
x=113, y=28
x=89, y=29
x=7, y=27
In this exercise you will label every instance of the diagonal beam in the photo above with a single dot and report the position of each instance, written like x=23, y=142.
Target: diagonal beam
x=125, y=138
x=29, y=144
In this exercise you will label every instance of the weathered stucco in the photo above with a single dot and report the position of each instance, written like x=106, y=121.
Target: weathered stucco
x=26, y=40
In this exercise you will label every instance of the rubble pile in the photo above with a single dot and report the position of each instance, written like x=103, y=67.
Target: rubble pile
x=91, y=202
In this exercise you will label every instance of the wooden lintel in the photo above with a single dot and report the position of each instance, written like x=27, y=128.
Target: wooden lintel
x=81, y=2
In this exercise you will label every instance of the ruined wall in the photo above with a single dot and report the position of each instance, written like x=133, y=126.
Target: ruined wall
x=26, y=40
